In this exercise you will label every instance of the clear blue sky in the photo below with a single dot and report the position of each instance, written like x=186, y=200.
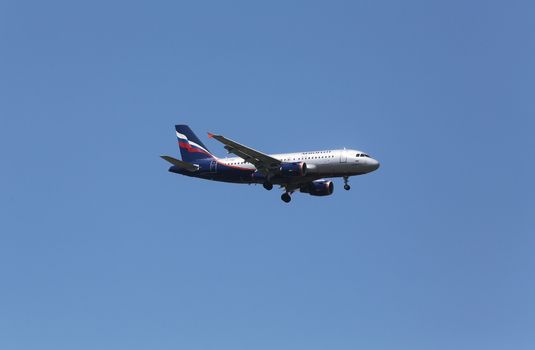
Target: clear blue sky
x=102, y=248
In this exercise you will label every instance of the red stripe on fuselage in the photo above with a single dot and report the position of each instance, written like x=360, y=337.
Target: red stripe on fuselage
x=235, y=167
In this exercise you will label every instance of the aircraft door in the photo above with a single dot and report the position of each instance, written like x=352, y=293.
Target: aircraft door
x=213, y=166
x=343, y=156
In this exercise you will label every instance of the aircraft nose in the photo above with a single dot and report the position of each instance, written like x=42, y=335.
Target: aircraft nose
x=375, y=164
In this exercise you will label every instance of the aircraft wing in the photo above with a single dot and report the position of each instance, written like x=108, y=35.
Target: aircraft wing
x=261, y=161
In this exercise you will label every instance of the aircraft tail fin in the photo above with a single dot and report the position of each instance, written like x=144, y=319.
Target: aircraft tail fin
x=191, y=148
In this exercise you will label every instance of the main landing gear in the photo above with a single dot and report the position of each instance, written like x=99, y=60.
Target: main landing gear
x=268, y=185
x=346, y=184
x=286, y=198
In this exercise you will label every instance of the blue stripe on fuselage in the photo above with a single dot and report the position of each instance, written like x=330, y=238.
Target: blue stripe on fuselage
x=213, y=170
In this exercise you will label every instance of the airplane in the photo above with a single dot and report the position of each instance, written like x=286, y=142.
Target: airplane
x=305, y=172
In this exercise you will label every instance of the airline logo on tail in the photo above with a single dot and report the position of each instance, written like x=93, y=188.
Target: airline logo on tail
x=189, y=145
x=191, y=148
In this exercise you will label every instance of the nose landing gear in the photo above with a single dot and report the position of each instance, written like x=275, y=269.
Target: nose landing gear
x=346, y=184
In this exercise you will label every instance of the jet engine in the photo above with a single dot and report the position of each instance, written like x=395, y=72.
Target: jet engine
x=318, y=188
x=293, y=169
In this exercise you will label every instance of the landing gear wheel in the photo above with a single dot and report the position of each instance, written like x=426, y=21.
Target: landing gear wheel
x=286, y=197
x=346, y=185
x=268, y=186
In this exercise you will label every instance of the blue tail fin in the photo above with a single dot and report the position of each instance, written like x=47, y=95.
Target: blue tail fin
x=191, y=148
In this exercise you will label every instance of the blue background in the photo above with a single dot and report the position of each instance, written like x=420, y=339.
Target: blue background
x=102, y=248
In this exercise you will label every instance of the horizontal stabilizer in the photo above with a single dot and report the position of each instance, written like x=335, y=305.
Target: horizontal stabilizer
x=184, y=165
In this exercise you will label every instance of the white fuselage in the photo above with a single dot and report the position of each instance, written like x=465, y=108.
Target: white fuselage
x=344, y=162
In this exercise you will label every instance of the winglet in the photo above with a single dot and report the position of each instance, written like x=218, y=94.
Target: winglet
x=210, y=135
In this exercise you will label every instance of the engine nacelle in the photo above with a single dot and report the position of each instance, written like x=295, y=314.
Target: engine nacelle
x=293, y=169
x=318, y=188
